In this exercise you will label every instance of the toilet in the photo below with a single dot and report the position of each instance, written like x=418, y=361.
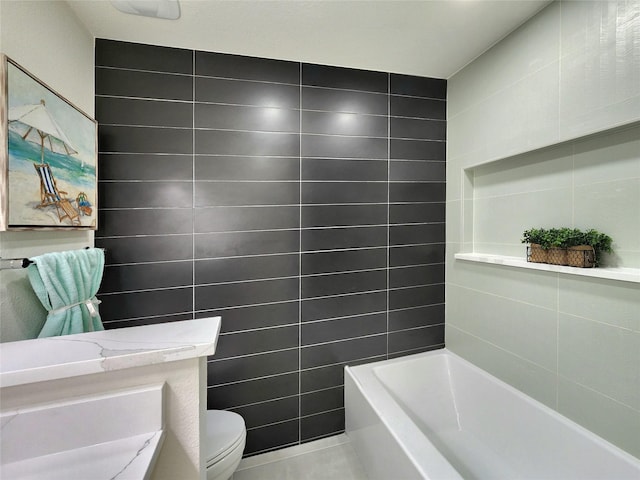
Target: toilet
x=226, y=436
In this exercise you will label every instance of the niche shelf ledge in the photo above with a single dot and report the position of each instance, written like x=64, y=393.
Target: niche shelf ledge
x=619, y=274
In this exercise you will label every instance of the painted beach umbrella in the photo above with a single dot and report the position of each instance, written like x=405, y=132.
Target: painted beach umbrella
x=35, y=124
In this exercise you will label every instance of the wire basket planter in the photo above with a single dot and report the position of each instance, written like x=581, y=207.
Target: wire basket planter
x=582, y=256
x=566, y=246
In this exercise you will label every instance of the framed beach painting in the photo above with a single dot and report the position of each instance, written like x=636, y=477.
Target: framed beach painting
x=48, y=162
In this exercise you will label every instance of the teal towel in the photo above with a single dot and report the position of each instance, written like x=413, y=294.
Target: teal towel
x=66, y=284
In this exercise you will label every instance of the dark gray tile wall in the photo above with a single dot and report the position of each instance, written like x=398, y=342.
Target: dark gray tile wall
x=305, y=204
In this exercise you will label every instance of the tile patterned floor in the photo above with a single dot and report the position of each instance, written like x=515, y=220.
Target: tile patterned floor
x=327, y=459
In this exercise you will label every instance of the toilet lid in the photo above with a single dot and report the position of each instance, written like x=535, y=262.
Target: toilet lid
x=224, y=431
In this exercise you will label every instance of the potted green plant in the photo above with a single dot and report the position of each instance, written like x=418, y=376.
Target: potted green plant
x=587, y=249
x=539, y=242
x=566, y=246
x=561, y=239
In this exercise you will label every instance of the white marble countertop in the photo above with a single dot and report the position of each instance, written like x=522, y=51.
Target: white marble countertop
x=38, y=360
x=129, y=458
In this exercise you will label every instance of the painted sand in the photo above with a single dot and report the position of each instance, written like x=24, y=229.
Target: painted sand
x=24, y=190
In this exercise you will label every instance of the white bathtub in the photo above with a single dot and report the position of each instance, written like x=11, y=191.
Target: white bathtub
x=436, y=416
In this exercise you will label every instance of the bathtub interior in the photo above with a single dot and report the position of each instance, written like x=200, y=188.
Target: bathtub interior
x=388, y=442
x=486, y=429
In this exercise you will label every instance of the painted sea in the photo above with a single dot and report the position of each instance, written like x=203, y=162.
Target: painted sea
x=23, y=155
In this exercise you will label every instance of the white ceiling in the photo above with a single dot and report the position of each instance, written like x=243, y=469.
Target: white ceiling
x=432, y=38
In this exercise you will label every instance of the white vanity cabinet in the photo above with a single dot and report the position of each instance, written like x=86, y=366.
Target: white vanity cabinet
x=126, y=403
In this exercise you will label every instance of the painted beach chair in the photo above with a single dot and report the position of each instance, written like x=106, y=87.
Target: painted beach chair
x=50, y=195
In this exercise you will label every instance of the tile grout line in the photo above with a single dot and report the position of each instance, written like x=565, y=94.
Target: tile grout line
x=557, y=372
x=262, y=181
x=277, y=132
x=178, y=101
x=193, y=190
x=300, y=184
x=238, y=307
x=309, y=346
x=388, y=206
x=282, y=157
x=270, y=82
x=270, y=230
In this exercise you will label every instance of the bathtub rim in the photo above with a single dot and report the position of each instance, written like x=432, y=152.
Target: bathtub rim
x=364, y=375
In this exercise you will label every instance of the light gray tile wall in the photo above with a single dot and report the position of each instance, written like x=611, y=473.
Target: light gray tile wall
x=548, y=102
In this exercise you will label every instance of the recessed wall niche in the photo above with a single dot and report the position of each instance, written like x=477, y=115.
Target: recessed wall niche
x=584, y=183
